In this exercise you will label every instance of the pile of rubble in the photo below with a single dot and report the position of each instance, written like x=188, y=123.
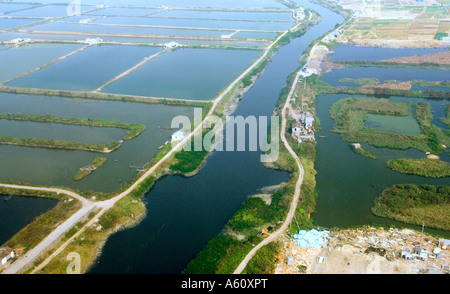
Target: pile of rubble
x=406, y=246
x=406, y=250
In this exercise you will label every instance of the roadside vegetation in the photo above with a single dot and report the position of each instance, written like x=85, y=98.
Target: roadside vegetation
x=415, y=204
x=431, y=168
x=36, y=231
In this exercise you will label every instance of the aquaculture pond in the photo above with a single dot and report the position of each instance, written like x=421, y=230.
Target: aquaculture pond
x=21, y=59
x=10, y=23
x=17, y=212
x=352, y=52
x=197, y=23
x=200, y=74
x=407, y=125
x=25, y=164
x=185, y=213
x=384, y=74
x=87, y=70
x=123, y=30
x=348, y=183
x=235, y=15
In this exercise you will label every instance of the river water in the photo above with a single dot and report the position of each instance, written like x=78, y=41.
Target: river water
x=185, y=213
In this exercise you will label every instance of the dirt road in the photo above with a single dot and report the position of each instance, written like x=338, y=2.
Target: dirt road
x=297, y=191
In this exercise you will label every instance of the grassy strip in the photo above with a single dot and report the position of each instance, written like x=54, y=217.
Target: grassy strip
x=87, y=170
x=102, y=96
x=430, y=168
x=415, y=204
x=446, y=119
x=372, y=63
x=35, y=232
x=324, y=88
x=361, y=81
x=134, y=130
x=57, y=144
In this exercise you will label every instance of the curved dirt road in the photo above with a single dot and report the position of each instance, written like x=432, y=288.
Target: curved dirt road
x=297, y=191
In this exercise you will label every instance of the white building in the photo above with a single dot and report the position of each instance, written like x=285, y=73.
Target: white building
x=171, y=45
x=6, y=254
x=93, y=41
x=178, y=136
x=309, y=120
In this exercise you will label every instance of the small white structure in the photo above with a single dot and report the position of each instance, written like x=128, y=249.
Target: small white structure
x=19, y=41
x=444, y=243
x=171, y=45
x=94, y=41
x=309, y=120
x=178, y=136
x=356, y=145
x=6, y=254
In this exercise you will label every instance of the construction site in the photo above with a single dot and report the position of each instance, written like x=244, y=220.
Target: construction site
x=366, y=250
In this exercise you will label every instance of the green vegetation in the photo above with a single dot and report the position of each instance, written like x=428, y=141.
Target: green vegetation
x=373, y=63
x=103, y=96
x=351, y=113
x=359, y=150
x=446, y=119
x=414, y=204
x=422, y=83
x=35, y=232
x=87, y=170
x=431, y=168
x=57, y=144
x=361, y=81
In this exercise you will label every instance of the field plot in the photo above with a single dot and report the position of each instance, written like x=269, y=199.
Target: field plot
x=24, y=58
x=25, y=164
x=423, y=29
x=197, y=74
x=88, y=69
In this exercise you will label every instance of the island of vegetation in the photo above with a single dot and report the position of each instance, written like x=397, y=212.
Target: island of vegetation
x=134, y=130
x=357, y=148
x=87, y=170
x=425, y=167
x=416, y=205
x=350, y=114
